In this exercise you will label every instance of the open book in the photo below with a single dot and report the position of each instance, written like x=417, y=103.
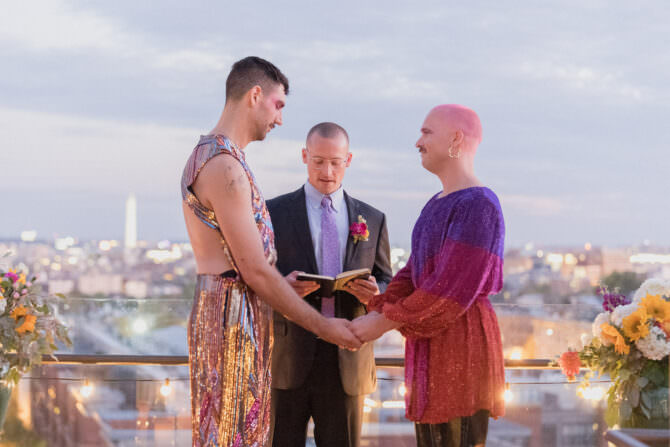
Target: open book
x=329, y=284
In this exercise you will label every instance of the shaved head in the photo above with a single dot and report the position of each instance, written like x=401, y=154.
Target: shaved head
x=456, y=117
x=327, y=130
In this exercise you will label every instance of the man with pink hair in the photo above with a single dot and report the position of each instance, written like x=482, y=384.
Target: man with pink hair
x=454, y=369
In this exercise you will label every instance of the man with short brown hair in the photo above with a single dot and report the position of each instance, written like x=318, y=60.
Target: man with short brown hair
x=229, y=227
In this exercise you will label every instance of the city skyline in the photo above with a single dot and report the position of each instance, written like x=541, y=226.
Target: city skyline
x=574, y=141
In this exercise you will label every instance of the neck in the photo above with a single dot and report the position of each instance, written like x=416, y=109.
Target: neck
x=233, y=123
x=456, y=176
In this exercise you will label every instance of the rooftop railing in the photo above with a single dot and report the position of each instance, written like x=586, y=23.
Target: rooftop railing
x=125, y=382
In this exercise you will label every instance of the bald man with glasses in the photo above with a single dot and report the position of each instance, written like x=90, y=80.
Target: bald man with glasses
x=311, y=377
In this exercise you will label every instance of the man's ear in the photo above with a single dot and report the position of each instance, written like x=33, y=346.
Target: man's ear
x=304, y=155
x=349, y=157
x=254, y=95
x=458, y=137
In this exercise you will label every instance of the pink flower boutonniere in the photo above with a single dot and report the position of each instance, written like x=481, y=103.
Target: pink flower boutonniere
x=359, y=230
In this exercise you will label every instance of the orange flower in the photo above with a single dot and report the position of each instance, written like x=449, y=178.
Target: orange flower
x=656, y=307
x=18, y=312
x=612, y=335
x=635, y=325
x=28, y=324
x=570, y=364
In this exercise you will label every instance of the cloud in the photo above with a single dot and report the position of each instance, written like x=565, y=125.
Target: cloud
x=70, y=152
x=588, y=80
x=55, y=25
x=531, y=205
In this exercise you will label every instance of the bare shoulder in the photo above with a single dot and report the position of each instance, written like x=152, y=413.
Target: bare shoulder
x=224, y=175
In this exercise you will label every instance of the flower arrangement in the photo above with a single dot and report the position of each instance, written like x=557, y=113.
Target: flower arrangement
x=359, y=230
x=28, y=326
x=630, y=342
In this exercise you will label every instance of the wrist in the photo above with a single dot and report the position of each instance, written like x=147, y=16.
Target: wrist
x=387, y=324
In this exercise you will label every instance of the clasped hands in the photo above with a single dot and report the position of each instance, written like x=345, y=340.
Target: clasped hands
x=342, y=332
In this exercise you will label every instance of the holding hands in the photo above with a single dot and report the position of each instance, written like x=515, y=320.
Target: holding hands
x=338, y=332
x=371, y=326
x=342, y=332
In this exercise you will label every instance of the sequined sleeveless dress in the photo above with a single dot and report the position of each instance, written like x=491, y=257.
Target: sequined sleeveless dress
x=230, y=329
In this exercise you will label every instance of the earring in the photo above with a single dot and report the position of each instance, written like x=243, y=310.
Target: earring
x=451, y=153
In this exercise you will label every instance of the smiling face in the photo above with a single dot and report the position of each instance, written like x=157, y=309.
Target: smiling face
x=268, y=110
x=327, y=159
x=449, y=133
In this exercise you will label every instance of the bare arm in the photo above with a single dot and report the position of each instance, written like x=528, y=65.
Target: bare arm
x=223, y=186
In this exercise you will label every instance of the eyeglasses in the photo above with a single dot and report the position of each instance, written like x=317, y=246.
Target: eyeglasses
x=321, y=163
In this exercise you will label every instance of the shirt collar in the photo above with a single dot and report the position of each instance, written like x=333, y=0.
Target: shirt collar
x=314, y=197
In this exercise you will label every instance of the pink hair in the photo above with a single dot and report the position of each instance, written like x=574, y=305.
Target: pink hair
x=458, y=117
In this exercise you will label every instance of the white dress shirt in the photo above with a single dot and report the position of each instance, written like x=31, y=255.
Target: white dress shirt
x=313, y=200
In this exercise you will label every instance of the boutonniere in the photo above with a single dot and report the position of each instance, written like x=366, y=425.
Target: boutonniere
x=359, y=230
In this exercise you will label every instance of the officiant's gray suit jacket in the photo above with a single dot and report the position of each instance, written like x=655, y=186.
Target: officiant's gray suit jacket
x=294, y=347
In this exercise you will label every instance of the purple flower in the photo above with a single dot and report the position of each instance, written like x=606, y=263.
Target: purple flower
x=612, y=300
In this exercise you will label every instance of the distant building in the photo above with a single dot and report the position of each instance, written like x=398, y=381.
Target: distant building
x=64, y=286
x=105, y=284
x=130, y=235
x=616, y=260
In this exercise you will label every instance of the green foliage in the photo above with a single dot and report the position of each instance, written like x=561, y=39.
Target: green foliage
x=28, y=326
x=638, y=385
x=622, y=282
x=16, y=434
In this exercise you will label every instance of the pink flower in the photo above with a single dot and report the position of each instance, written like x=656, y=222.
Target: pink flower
x=12, y=276
x=16, y=295
x=29, y=284
x=24, y=291
x=359, y=230
x=570, y=364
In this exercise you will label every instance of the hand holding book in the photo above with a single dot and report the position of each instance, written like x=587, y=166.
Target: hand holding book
x=328, y=284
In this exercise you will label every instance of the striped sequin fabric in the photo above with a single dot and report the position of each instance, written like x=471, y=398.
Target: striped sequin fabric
x=230, y=331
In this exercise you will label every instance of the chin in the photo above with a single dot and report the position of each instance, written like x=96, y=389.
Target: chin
x=328, y=187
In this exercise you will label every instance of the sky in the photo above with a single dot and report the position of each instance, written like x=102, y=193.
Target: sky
x=101, y=99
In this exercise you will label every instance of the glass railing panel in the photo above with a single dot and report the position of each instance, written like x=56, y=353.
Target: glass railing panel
x=101, y=406
x=158, y=326
x=123, y=406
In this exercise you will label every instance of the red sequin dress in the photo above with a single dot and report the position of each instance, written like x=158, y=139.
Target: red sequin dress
x=453, y=350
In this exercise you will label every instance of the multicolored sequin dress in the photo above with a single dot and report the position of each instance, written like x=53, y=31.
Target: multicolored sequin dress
x=453, y=351
x=230, y=329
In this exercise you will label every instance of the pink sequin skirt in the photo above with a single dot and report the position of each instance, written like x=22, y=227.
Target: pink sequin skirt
x=230, y=343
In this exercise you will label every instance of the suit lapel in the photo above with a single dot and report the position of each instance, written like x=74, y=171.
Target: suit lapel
x=301, y=227
x=352, y=209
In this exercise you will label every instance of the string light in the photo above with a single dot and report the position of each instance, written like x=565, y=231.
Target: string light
x=86, y=389
x=507, y=395
x=592, y=393
x=166, y=388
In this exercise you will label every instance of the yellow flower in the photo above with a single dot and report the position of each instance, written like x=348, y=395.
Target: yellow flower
x=656, y=307
x=18, y=312
x=28, y=324
x=22, y=278
x=635, y=325
x=611, y=334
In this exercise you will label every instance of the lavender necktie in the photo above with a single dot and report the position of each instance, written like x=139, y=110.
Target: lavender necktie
x=330, y=251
